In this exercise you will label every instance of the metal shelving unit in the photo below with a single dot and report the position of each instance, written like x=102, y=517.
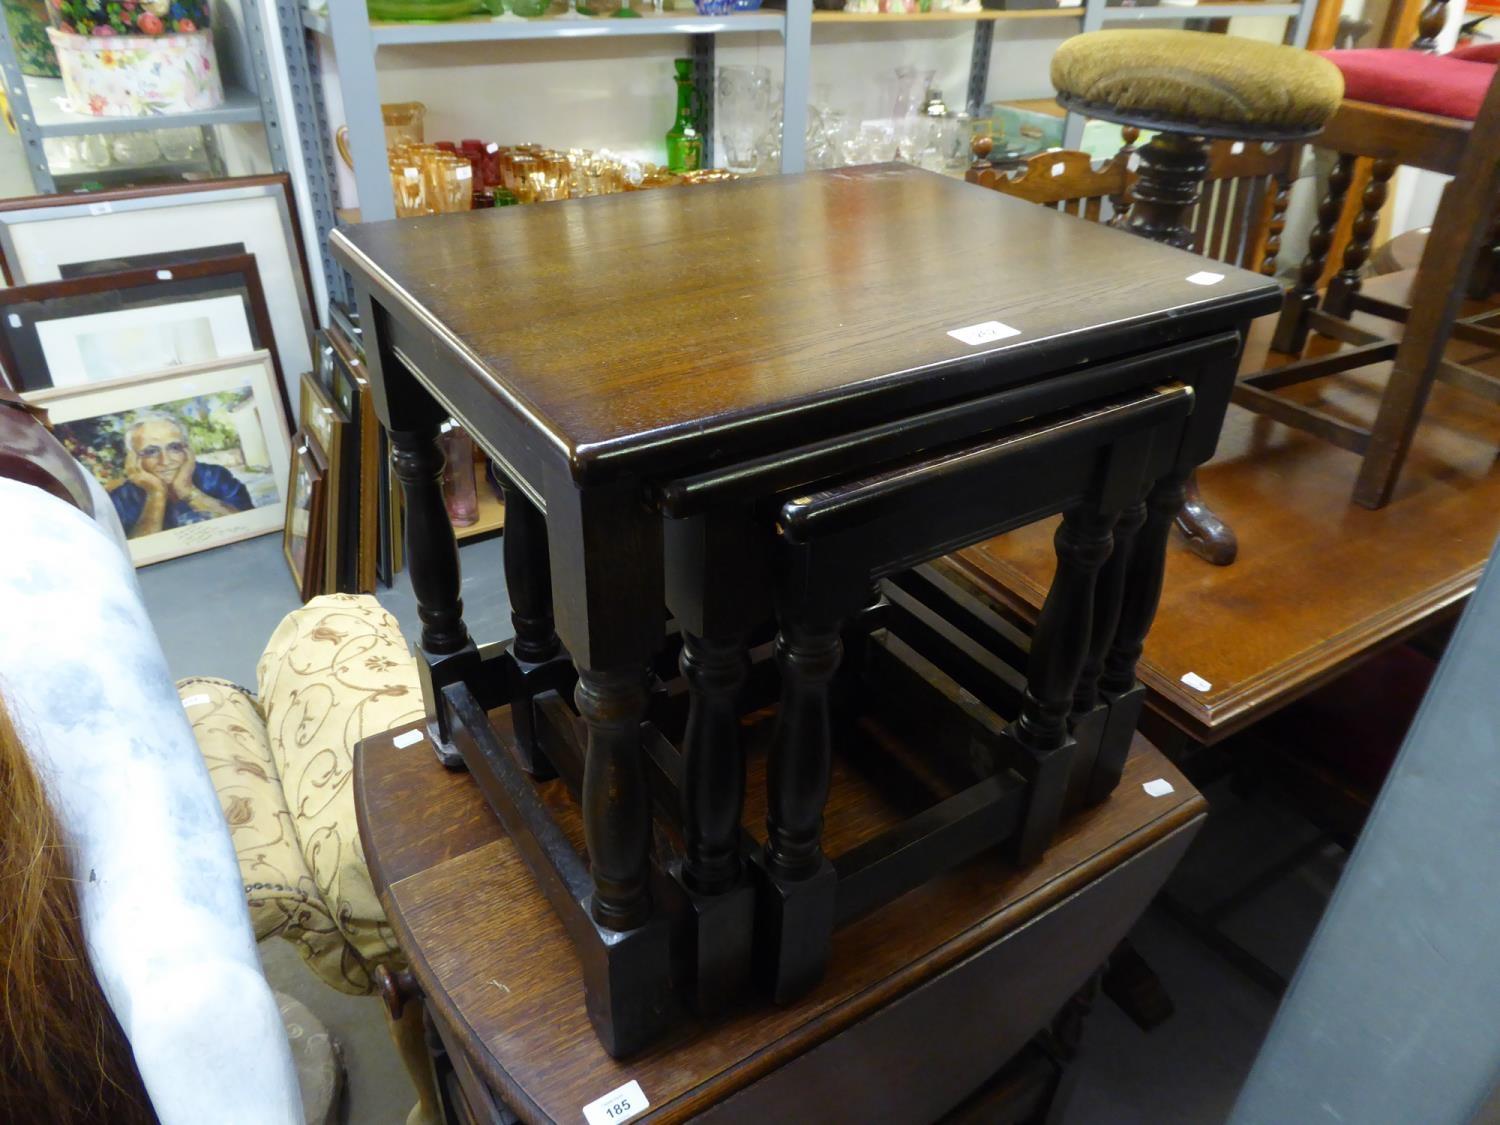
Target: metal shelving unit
x=357, y=41
x=37, y=103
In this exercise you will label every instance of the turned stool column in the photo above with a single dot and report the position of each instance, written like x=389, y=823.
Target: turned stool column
x=1191, y=87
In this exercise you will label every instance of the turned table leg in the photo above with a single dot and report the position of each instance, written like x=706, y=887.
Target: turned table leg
x=616, y=803
x=1339, y=300
x=800, y=888
x=536, y=650
x=432, y=549
x=1059, y=648
x=1100, y=728
x=713, y=787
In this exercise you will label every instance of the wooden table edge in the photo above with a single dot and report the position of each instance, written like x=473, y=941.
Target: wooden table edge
x=1208, y=723
x=817, y=1029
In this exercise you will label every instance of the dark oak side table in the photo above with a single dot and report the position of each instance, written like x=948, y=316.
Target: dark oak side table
x=763, y=403
x=918, y=1009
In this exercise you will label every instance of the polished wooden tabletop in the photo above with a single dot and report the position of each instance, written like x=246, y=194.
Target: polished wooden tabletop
x=737, y=318
x=1320, y=583
x=496, y=964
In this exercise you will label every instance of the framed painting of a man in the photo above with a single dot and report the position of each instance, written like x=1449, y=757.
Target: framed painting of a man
x=191, y=458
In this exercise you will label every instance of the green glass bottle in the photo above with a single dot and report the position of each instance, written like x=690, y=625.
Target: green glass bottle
x=684, y=140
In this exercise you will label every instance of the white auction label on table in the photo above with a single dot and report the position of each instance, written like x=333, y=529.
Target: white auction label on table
x=1159, y=787
x=1205, y=277
x=617, y=1105
x=986, y=333
x=410, y=738
x=1195, y=681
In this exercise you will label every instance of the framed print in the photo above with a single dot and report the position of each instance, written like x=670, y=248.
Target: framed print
x=329, y=426
x=302, y=538
x=191, y=458
x=42, y=237
x=96, y=329
x=351, y=390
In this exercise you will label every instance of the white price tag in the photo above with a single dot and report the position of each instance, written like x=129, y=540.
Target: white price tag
x=100, y=208
x=15, y=320
x=1205, y=277
x=986, y=333
x=1160, y=787
x=410, y=738
x=194, y=700
x=617, y=1105
x=1195, y=681
x=163, y=275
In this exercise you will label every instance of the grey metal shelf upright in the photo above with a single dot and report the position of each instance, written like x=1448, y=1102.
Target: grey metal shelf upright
x=239, y=37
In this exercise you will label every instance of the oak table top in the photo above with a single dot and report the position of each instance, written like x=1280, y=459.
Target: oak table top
x=496, y=965
x=1320, y=583
x=635, y=333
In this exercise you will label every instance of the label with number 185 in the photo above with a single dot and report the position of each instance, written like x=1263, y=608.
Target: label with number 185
x=617, y=1105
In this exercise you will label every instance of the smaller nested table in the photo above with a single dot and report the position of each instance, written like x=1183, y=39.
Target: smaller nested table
x=755, y=407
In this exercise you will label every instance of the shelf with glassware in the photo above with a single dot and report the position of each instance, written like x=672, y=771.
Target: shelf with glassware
x=131, y=82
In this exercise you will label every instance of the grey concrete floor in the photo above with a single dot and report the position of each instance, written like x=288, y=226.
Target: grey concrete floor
x=214, y=611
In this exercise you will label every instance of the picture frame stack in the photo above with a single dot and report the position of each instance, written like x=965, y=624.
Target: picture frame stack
x=157, y=327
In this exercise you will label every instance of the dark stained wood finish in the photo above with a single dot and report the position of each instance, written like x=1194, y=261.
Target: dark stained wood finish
x=777, y=303
x=501, y=979
x=1171, y=177
x=796, y=324
x=1325, y=584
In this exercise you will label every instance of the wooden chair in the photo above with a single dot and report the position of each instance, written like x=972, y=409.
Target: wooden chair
x=1462, y=231
x=1238, y=218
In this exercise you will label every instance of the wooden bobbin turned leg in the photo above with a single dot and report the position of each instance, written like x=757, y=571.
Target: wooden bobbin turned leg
x=1294, y=323
x=447, y=653
x=719, y=897
x=536, y=653
x=1102, y=735
x=798, y=884
x=1146, y=567
x=1339, y=300
x=1059, y=647
x=616, y=803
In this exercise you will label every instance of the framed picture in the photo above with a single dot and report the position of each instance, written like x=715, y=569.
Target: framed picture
x=45, y=238
x=329, y=426
x=192, y=458
x=302, y=539
x=99, y=328
x=351, y=390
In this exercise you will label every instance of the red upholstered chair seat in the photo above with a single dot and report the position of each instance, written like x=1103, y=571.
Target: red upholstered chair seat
x=1440, y=84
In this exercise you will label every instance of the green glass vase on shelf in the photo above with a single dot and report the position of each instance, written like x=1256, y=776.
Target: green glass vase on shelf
x=422, y=11
x=685, y=138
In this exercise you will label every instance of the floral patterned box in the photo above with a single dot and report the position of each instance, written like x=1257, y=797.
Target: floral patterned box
x=111, y=75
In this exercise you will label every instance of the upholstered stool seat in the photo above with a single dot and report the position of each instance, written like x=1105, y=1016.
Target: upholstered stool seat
x=1193, y=81
x=1445, y=85
x=1191, y=86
